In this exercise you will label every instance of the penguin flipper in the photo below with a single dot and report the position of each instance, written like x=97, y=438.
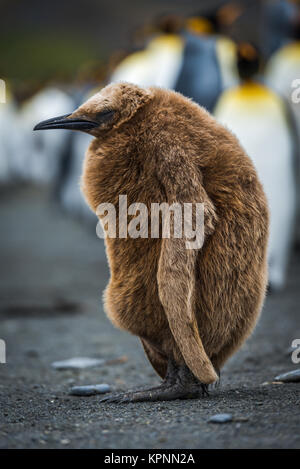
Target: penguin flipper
x=176, y=286
x=177, y=264
x=158, y=361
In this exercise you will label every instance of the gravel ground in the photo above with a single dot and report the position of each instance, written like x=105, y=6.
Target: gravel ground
x=53, y=273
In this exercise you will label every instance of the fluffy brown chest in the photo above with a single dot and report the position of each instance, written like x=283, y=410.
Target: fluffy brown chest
x=131, y=298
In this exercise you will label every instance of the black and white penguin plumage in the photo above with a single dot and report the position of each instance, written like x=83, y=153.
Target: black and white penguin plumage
x=282, y=74
x=41, y=156
x=260, y=119
x=276, y=24
x=67, y=184
x=157, y=65
x=177, y=61
x=11, y=148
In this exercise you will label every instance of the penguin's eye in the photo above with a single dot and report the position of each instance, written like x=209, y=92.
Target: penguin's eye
x=105, y=115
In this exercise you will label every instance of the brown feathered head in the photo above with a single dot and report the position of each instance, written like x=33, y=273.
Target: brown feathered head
x=108, y=109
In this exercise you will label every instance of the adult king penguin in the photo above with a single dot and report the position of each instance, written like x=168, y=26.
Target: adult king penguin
x=261, y=121
x=11, y=149
x=191, y=308
x=37, y=163
x=208, y=62
x=283, y=75
x=159, y=62
x=176, y=57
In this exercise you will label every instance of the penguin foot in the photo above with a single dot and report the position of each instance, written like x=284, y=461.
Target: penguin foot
x=179, y=383
x=161, y=393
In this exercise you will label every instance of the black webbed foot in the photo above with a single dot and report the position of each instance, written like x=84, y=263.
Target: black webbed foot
x=179, y=383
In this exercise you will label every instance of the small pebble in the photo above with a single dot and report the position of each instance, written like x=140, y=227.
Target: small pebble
x=267, y=383
x=89, y=390
x=220, y=418
x=289, y=377
x=65, y=442
x=241, y=419
x=32, y=353
x=77, y=363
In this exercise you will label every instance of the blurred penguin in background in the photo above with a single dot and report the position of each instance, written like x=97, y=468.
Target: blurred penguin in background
x=41, y=156
x=283, y=75
x=282, y=71
x=159, y=62
x=208, y=63
x=276, y=24
x=185, y=54
x=53, y=159
x=10, y=148
x=66, y=189
x=261, y=121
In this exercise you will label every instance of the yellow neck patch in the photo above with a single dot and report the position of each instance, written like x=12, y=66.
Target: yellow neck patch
x=199, y=25
x=252, y=97
x=172, y=41
x=251, y=90
x=291, y=52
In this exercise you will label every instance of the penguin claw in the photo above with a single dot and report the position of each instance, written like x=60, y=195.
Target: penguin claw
x=118, y=397
x=115, y=397
x=179, y=383
x=161, y=393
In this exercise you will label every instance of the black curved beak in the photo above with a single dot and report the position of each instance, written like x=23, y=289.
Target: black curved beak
x=63, y=122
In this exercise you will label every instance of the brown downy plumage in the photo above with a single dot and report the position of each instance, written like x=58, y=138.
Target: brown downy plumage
x=192, y=309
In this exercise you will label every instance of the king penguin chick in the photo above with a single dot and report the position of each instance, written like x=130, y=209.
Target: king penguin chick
x=191, y=308
x=262, y=122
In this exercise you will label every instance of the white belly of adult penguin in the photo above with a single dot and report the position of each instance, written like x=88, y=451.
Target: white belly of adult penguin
x=283, y=75
x=36, y=161
x=258, y=117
